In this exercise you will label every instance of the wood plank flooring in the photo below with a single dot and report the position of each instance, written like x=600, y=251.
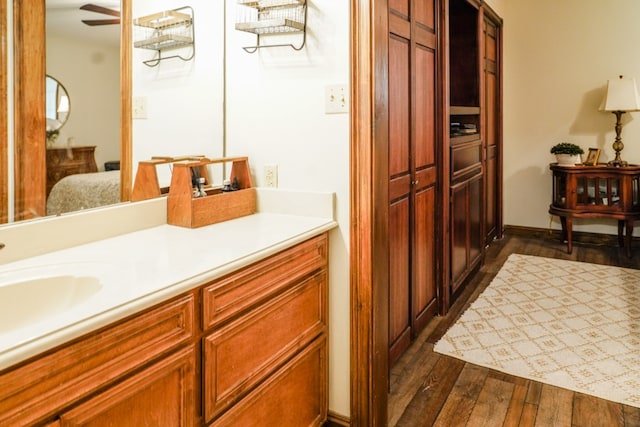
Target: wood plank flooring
x=429, y=389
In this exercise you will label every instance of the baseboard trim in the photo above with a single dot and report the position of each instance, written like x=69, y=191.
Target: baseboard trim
x=581, y=237
x=337, y=420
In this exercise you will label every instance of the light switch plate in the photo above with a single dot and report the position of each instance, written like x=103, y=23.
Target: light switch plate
x=336, y=99
x=139, y=107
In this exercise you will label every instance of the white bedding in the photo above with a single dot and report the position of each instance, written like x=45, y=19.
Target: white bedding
x=83, y=191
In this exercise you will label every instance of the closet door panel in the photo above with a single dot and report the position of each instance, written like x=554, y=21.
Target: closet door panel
x=424, y=13
x=475, y=219
x=399, y=6
x=399, y=308
x=399, y=107
x=424, y=304
x=459, y=196
x=425, y=120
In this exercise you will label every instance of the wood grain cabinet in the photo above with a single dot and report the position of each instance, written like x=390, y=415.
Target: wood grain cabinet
x=264, y=348
x=156, y=341
x=63, y=162
x=161, y=395
x=466, y=143
x=475, y=137
x=413, y=170
x=599, y=191
x=248, y=349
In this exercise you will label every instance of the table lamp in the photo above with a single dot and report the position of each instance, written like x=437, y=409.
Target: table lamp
x=620, y=97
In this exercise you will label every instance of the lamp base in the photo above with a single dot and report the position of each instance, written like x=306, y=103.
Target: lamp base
x=618, y=163
x=618, y=146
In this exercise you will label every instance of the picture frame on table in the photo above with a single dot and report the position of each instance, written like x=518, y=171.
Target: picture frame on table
x=592, y=157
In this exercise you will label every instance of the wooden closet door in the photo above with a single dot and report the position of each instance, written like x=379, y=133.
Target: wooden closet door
x=399, y=197
x=424, y=168
x=412, y=170
x=491, y=137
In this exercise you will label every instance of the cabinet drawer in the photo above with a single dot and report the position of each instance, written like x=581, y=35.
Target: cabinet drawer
x=294, y=397
x=246, y=351
x=163, y=394
x=37, y=390
x=239, y=291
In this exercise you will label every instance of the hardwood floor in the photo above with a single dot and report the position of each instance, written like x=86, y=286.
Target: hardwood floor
x=428, y=389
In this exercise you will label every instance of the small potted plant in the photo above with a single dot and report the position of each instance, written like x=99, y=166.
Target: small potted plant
x=567, y=154
x=52, y=137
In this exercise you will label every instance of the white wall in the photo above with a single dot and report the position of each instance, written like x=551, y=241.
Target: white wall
x=498, y=6
x=185, y=110
x=275, y=115
x=91, y=75
x=558, y=57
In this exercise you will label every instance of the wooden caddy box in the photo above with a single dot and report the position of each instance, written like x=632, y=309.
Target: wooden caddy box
x=146, y=185
x=187, y=211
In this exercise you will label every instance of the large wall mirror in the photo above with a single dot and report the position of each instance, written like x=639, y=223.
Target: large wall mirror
x=101, y=115
x=66, y=52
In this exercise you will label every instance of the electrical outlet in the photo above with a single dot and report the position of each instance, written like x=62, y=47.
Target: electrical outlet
x=271, y=176
x=336, y=99
x=139, y=107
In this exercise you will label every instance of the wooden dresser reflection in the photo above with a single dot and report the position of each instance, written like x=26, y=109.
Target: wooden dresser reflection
x=62, y=162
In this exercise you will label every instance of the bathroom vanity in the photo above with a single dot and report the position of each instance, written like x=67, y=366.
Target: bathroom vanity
x=234, y=338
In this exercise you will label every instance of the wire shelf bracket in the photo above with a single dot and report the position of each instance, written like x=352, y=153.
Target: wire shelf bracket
x=272, y=17
x=167, y=30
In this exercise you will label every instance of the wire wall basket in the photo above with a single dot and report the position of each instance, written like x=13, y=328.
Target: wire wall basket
x=170, y=29
x=272, y=17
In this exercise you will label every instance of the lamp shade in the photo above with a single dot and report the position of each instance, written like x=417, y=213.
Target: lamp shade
x=621, y=95
x=63, y=104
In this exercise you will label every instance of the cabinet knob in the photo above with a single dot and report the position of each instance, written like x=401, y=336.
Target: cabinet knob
x=414, y=182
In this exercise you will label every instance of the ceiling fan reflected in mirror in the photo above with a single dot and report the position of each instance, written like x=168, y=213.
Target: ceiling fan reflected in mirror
x=103, y=10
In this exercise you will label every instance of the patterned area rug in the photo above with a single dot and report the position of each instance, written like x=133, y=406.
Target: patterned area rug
x=570, y=324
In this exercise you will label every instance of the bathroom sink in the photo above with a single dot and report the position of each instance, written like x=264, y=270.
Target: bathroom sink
x=28, y=296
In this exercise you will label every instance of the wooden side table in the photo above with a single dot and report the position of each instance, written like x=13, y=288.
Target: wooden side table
x=599, y=191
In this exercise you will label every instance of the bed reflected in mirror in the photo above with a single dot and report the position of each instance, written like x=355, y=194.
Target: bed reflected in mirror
x=83, y=74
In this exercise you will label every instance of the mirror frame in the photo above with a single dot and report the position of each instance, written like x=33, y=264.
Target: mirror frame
x=56, y=103
x=4, y=157
x=29, y=48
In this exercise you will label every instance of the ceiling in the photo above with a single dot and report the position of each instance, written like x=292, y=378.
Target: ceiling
x=64, y=18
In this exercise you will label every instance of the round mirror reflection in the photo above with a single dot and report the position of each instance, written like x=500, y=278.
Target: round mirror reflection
x=57, y=107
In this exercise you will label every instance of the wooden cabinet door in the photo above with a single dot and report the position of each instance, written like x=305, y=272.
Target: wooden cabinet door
x=399, y=196
x=43, y=387
x=245, y=352
x=424, y=168
x=163, y=394
x=491, y=134
x=466, y=237
x=295, y=396
x=458, y=230
x=412, y=170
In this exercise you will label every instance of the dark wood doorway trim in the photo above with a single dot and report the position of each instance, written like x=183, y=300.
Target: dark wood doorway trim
x=369, y=218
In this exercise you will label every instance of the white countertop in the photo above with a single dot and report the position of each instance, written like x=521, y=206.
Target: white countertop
x=140, y=269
